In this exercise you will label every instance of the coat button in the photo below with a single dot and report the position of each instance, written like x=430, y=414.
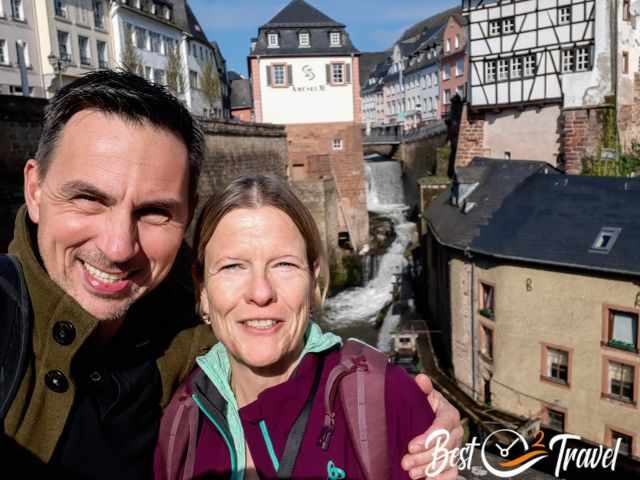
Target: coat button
x=95, y=376
x=64, y=333
x=56, y=381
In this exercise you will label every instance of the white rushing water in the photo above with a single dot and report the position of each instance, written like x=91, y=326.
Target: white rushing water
x=362, y=304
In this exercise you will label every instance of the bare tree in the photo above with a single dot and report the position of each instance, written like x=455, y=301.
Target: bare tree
x=210, y=84
x=131, y=60
x=175, y=77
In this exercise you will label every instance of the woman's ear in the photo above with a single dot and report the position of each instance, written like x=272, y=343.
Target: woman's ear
x=204, y=302
x=316, y=271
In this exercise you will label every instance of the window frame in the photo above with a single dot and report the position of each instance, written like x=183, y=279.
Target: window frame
x=506, y=71
x=576, y=57
x=5, y=49
x=534, y=65
x=626, y=10
x=84, y=58
x=270, y=37
x=17, y=14
x=562, y=19
x=487, y=348
x=285, y=75
x=607, y=327
x=567, y=52
x=610, y=430
x=342, y=65
x=337, y=145
x=332, y=36
x=558, y=410
x=494, y=28
x=490, y=74
x=606, y=382
x=512, y=23
x=487, y=311
x=546, y=373
x=303, y=35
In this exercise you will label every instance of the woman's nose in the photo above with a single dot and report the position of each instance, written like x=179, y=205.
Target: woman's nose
x=261, y=290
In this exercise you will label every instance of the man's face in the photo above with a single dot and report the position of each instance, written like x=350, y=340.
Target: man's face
x=111, y=211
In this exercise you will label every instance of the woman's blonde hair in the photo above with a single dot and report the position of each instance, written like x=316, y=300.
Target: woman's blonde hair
x=257, y=191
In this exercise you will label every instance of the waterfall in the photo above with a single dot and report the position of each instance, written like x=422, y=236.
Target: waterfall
x=362, y=304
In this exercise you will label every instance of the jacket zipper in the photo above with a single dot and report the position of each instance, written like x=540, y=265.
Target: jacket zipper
x=232, y=452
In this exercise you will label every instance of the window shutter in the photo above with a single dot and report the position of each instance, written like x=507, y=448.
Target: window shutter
x=268, y=75
x=347, y=73
x=289, y=74
x=328, y=70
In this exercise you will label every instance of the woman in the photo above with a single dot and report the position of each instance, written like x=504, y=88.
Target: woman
x=261, y=403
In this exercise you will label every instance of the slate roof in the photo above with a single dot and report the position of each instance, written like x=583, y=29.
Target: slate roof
x=529, y=212
x=430, y=23
x=194, y=27
x=497, y=179
x=369, y=62
x=300, y=14
x=241, y=96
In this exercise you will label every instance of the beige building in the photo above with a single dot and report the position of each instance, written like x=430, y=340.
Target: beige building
x=74, y=39
x=535, y=283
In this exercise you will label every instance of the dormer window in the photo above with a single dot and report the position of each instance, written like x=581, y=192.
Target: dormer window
x=273, y=40
x=335, y=39
x=605, y=240
x=304, y=39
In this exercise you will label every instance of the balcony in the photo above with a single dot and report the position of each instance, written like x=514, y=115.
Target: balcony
x=85, y=60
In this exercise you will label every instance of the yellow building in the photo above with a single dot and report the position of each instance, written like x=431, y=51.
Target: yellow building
x=534, y=282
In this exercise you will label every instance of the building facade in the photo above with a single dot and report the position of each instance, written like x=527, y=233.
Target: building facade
x=305, y=75
x=548, y=77
x=544, y=326
x=454, y=62
x=74, y=39
x=19, y=46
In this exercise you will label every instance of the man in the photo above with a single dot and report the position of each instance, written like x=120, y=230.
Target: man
x=108, y=199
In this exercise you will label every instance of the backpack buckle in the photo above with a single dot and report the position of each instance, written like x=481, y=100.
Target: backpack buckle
x=360, y=363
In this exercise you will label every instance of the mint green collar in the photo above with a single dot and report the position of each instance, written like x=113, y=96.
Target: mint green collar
x=216, y=366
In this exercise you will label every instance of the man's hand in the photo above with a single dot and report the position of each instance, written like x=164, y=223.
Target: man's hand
x=447, y=418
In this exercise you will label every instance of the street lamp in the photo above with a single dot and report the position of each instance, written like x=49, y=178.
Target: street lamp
x=59, y=65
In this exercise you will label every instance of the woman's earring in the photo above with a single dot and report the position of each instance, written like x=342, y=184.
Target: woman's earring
x=205, y=318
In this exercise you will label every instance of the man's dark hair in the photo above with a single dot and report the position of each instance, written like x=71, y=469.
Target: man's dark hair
x=128, y=96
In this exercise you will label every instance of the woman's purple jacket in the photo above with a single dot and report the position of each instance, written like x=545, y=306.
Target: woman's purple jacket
x=201, y=431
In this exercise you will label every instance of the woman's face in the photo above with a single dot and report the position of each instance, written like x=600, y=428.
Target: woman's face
x=258, y=287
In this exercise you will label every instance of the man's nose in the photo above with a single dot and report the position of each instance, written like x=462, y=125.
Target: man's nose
x=120, y=241
x=261, y=291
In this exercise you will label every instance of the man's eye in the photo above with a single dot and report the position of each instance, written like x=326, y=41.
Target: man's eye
x=231, y=267
x=284, y=264
x=154, y=216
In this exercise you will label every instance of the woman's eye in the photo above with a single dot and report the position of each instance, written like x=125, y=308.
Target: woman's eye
x=231, y=266
x=286, y=265
x=154, y=216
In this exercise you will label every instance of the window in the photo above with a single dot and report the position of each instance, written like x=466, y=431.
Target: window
x=423, y=82
x=98, y=14
x=621, y=381
x=460, y=67
x=160, y=76
x=85, y=50
x=148, y=73
x=626, y=10
x=2, y=10
x=303, y=39
x=622, y=328
x=60, y=9
x=279, y=73
x=447, y=97
x=337, y=73
x=626, y=442
x=583, y=59
x=273, y=40
x=555, y=419
x=564, y=15
x=567, y=61
x=486, y=343
x=446, y=72
x=457, y=44
x=529, y=65
x=103, y=59
x=556, y=364
x=487, y=300
x=508, y=25
x=490, y=71
x=17, y=10
x=193, y=79
x=605, y=240
x=625, y=62
x=448, y=45
x=335, y=39
x=64, y=45
x=337, y=144
x=140, y=34
x=516, y=67
x=494, y=27
x=435, y=78
x=503, y=70
x=4, y=54
x=166, y=12
x=460, y=91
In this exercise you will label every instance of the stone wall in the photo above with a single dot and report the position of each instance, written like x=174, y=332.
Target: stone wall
x=471, y=142
x=582, y=135
x=320, y=197
x=629, y=118
x=312, y=156
x=20, y=127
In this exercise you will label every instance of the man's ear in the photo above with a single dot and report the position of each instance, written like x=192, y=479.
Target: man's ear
x=193, y=203
x=32, y=189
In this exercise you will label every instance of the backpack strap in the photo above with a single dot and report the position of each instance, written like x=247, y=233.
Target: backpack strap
x=15, y=331
x=360, y=378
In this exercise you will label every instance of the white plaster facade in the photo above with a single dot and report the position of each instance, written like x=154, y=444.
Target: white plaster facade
x=308, y=96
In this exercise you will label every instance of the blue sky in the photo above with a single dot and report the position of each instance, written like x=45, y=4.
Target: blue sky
x=372, y=24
